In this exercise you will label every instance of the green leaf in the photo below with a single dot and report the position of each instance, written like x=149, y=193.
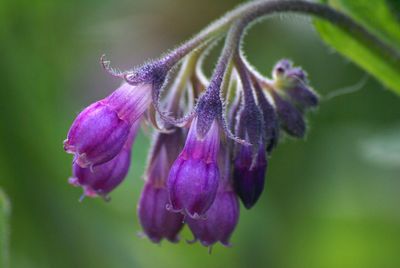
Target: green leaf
x=382, y=19
x=4, y=229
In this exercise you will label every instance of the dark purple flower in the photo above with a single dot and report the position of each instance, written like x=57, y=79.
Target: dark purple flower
x=291, y=119
x=193, y=178
x=220, y=220
x=166, y=147
x=249, y=176
x=100, y=180
x=157, y=222
x=303, y=96
x=100, y=131
x=271, y=123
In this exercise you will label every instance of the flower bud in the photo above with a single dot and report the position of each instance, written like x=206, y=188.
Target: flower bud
x=157, y=222
x=271, y=123
x=249, y=180
x=99, y=131
x=304, y=97
x=102, y=179
x=293, y=81
x=291, y=119
x=220, y=220
x=193, y=178
x=164, y=151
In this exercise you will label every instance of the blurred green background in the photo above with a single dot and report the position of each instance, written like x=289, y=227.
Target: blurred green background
x=331, y=200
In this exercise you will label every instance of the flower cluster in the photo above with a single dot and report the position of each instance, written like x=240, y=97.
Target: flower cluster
x=201, y=163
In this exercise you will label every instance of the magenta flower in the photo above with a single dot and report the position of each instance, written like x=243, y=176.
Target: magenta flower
x=193, y=179
x=100, y=180
x=157, y=222
x=100, y=131
x=220, y=220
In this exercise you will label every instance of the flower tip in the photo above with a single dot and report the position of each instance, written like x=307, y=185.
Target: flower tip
x=226, y=243
x=169, y=207
x=195, y=215
x=89, y=192
x=68, y=148
x=248, y=204
x=74, y=181
x=153, y=239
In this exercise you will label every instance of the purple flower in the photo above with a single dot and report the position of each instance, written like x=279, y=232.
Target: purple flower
x=100, y=131
x=291, y=119
x=220, y=220
x=100, y=180
x=157, y=222
x=304, y=97
x=193, y=178
x=165, y=149
x=249, y=179
x=293, y=81
x=270, y=118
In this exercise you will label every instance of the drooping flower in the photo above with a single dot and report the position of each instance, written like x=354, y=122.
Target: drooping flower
x=220, y=220
x=250, y=161
x=293, y=81
x=270, y=118
x=292, y=95
x=249, y=175
x=100, y=131
x=291, y=119
x=193, y=178
x=100, y=180
x=157, y=222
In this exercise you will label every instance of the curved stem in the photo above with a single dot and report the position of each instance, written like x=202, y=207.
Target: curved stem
x=245, y=80
x=250, y=11
x=211, y=103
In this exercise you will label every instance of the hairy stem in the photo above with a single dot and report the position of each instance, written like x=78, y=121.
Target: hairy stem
x=251, y=11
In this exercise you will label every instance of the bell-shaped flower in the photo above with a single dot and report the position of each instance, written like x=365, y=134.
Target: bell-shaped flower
x=193, y=178
x=220, y=220
x=249, y=174
x=100, y=180
x=100, y=131
x=158, y=222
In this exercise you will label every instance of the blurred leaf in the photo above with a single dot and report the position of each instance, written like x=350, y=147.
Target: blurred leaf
x=394, y=6
x=382, y=148
x=4, y=231
x=381, y=18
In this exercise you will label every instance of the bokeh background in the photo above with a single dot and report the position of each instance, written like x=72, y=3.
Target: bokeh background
x=331, y=200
